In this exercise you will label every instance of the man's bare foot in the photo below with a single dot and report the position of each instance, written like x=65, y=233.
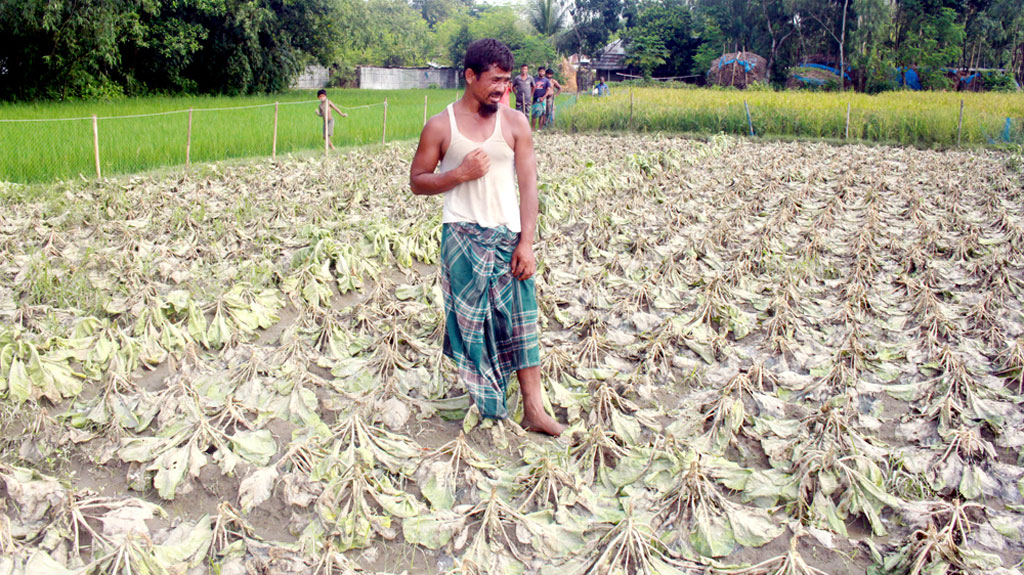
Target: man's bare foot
x=542, y=423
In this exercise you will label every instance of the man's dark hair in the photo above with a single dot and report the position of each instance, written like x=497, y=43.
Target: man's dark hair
x=321, y=92
x=487, y=52
x=541, y=69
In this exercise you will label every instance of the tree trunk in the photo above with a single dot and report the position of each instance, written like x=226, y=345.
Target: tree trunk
x=842, y=45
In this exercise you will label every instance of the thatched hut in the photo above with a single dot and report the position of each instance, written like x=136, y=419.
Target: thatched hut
x=738, y=69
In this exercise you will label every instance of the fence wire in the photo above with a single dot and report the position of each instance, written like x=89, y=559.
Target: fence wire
x=36, y=150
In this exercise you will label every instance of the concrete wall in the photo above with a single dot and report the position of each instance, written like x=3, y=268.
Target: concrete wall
x=313, y=78
x=372, y=78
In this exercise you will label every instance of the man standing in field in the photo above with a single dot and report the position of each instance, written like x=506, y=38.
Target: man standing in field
x=553, y=90
x=487, y=259
x=324, y=111
x=541, y=86
x=522, y=85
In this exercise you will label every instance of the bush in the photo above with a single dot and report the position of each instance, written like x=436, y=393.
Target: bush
x=999, y=82
x=934, y=79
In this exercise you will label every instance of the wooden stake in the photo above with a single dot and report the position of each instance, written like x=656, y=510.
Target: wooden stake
x=848, y=120
x=424, y=110
x=96, y=144
x=384, y=132
x=327, y=116
x=960, y=124
x=749, y=122
x=188, y=140
x=273, y=149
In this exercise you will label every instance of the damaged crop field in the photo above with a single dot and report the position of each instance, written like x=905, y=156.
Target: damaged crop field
x=782, y=358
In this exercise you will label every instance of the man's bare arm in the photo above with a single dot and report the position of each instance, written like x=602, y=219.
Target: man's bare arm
x=524, y=263
x=422, y=177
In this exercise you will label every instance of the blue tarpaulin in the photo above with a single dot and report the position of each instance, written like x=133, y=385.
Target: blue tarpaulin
x=826, y=68
x=748, y=66
x=908, y=78
x=806, y=80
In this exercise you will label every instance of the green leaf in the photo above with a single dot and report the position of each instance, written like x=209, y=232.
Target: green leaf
x=219, y=332
x=824, y=508
x=40, y=563
x=438, y=486
x=256, y=447
x=432, y=531
x=710, y=535
x=627, y=427
x=257, y=487
x=19, y=383
x=399, y=503
x=188, y=549
x=971, y=482
x=141, y=449
x=978, y=559
x=171, y=469
x=752, y=527
x=471, y=420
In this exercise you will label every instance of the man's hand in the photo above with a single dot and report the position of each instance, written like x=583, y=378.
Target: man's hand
x=524, y=264
x=475, y=165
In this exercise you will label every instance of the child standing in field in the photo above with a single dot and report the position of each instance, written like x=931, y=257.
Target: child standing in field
x=324, y=111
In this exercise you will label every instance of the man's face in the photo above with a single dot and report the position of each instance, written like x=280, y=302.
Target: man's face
x=322, y=97
x=525, y=71
x=550, y=75
x=488, y=87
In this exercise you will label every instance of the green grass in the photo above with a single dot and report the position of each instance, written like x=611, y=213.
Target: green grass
x=923, y=119
x=54, y=150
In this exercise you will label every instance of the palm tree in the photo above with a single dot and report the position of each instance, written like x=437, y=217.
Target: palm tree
x=547, y=16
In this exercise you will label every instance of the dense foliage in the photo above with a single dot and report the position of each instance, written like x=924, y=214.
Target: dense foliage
x=875, y=37
x=92, y=48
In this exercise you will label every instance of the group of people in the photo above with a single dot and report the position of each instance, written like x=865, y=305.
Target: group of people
x=535, y=97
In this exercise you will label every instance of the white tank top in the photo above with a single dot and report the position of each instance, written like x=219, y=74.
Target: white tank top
x=490, y=201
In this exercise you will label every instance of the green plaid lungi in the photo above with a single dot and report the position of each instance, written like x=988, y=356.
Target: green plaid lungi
x=491, y=317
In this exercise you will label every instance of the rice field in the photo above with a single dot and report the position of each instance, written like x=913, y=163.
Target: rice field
x=135, y=135
x=923, y=119
x=773, y=358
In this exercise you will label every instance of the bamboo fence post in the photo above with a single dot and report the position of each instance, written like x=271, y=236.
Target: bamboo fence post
x=960, y=123
x=424, y=110
x=750, y=123
x=273, y=149
x=96, y=144
x=384, y=132
x=188, y=140
x=847, y=120
x=327, y=116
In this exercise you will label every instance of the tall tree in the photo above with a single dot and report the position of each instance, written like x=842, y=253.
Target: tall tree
x=870, y=51
x=548, y=17
x=64, y=49
x=594, y=21
x=646, y=53
x=778, y=19
x=670, y=22
x=830, y=17
x=929, y=37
